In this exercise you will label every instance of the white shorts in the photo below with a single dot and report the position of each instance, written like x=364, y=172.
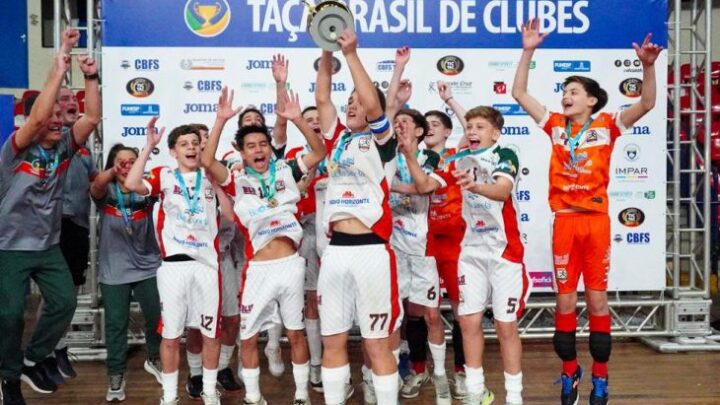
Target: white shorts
x=308, y=251
x=267, y=285
x=418, y=279
x=359, y=282
x=230, y=272
x=489, y=278
x=189, y=297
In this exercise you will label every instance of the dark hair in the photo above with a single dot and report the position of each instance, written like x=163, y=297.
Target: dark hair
x=182, y=130
x=381, y=98
x=201, y=127
x=592, y=88
x=114, y=150
x=492, y=115
x=418, y=118
x=444, y=118
x=307, y=110
x=242, y=132
x=249, y=110
x=28, y=105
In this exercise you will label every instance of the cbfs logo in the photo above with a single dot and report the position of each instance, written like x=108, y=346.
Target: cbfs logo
x=638, y=238
x=571, y=66
x=522, y=195
x=207, y=18
x=385, y=66
x=141, y=65
x=204, y=86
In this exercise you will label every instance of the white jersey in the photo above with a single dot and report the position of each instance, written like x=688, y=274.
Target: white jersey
x=410, y=212
x=357, y=186
x=179, y=228
x=266, y=217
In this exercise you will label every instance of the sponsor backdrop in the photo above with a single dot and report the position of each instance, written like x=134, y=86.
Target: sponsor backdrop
x=172, y=58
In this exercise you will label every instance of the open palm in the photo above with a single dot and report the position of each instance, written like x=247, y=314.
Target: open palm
x=531, y=35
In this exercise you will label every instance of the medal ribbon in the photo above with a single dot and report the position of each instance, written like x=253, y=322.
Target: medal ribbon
x=192, y=204
x=465, y=152
x=574, y=141
x=268, y=189
x=49, y=168
x=344, y=141
x=405, y=176
x=121, y=202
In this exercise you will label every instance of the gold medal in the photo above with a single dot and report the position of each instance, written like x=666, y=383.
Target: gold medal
x=405, y=201
x=272, y=203
x=332, y=166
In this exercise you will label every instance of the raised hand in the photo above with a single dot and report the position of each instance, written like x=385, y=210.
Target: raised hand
x=280, y=68
x=70, y=38
x=648, y=51
x=402, y=57
x=464, y=179
x=153, y=135
x=531, y=35
x=348, y=41
x=87, y=65
x=225, y=109
x=404, y=93
x=406, y=142
x=444, y=91
x=292, y=106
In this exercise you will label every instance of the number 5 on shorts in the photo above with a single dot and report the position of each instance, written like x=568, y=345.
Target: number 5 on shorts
x=512, y=305
x=375, y=318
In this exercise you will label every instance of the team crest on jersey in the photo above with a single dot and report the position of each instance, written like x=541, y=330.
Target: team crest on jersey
x=209, y=194
x=364, y=144
x=280, y=185
x=562, y=275
x=592, y=136
x=248, y=190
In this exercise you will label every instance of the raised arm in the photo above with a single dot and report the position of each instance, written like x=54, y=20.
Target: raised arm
x=87, y=123
x=280, y=73
x=225, y=112
x=647, y=53
x=98, y=188
x=43, y=108
x=134, y=179
x=531, y=39
x=323, y=101
x=424, y=184
x=445, y=93
x=70, y=38
x=363, y=85
x=402, y=57
x=293, y=113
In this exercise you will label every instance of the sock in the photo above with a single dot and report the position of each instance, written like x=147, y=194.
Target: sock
x=170, y=384
x=438, y=355
x=194, y=361
x=386, y=388
x=396, y=354
x=301, y=373
x=226, y=353
x=458, y=347
x=209, y=378
x=417, y=337
x=251, y=378
x=61, y=344
x=600, y=325
x=28, y=363
x=274, y=334
x=567, y=323
x=419, y=367
x=334, y=380
x=474, y=380
x=513, y=387
x=312, y=330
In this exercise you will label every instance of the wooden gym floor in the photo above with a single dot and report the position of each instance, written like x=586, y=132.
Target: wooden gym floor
x=639, y=375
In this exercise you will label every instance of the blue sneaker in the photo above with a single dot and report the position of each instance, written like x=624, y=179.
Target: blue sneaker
x=599, y=394
x=404, y=365
x=570, y=383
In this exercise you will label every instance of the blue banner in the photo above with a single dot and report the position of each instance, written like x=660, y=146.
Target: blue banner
x=572, y=24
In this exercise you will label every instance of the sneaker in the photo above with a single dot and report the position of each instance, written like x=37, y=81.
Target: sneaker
x=227, y=381
x=116, y=388
x=442, y=390
x=36, y=378
x=11, y=393
x=275, y=361
x=368, y=392
x=261, y=401
x=569, y=394
x=599, y=394
x=154, y=367
x=486, y=398
x=414, y=383
x=301, y=401
x=211, y=399
x=63, y=364
x=50, y=369
x=316, y=378
x=173, y=402
x=194, y=387
x=459, y=390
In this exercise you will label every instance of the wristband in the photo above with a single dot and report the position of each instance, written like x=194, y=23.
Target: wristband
x=379, y=125
x=93, y=76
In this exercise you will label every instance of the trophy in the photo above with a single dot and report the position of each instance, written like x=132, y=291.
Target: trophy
x=207, y=12
x=327, y=20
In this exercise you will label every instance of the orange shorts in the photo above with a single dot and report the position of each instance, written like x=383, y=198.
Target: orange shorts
x=581, y=245
x=446, y=251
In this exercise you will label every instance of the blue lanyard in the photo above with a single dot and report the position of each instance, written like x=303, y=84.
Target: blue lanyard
x=344, y=141
x=268, y=189
x=192, y=204
x=49, y=168
x=405, y=176
x=574, y=141
x=465, y=152
x=121, y=203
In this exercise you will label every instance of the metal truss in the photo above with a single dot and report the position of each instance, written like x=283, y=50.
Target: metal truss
x=676, y=319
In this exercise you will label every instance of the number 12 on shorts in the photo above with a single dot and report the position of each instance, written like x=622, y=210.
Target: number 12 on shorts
x=206, y=321
x=377, y=317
